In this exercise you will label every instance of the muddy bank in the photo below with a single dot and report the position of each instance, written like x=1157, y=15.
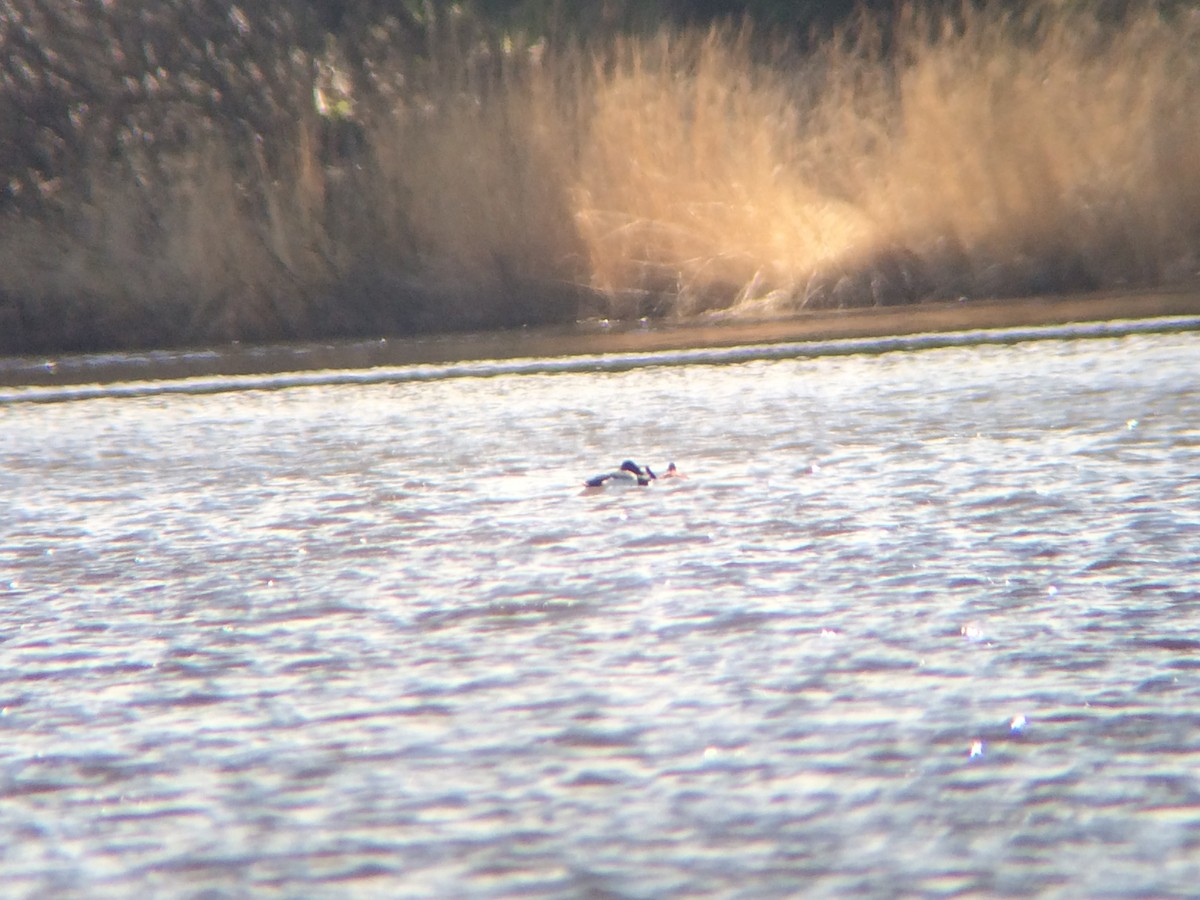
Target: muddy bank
x=865, y=330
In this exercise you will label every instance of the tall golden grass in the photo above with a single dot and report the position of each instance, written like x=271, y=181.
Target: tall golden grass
x=980, y=155
x=983, y=155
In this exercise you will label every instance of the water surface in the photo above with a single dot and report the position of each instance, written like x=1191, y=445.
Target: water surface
x=919, y=622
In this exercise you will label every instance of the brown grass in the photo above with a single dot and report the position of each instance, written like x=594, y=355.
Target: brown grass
x=980, y=157
x=715, y=172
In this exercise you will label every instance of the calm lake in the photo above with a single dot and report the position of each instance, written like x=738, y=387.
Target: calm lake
x=918, y=623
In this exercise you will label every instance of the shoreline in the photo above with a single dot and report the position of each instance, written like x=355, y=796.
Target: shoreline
x=593, y=338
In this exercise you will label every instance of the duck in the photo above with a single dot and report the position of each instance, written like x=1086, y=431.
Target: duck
x=627, y=475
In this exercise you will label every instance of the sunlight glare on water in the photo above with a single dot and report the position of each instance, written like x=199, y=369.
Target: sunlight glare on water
x=915, y=623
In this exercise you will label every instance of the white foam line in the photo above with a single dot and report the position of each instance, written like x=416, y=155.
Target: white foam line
x=603, y=362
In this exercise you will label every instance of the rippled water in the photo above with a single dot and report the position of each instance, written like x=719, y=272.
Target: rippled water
x=918, y=623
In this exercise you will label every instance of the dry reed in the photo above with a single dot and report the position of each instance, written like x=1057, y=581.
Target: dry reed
x=978, y=155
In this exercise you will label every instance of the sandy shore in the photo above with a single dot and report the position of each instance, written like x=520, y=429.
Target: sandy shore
x=967, y=317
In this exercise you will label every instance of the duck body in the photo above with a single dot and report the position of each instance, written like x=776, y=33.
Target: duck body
x=630, y=474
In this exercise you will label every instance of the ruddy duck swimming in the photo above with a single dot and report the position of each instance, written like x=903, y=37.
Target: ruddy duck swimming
x=628, y=475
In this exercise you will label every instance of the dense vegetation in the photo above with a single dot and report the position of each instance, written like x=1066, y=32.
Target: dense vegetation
x=183, y=172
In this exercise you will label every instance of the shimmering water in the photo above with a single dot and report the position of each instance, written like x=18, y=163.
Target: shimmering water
x=918, y=623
